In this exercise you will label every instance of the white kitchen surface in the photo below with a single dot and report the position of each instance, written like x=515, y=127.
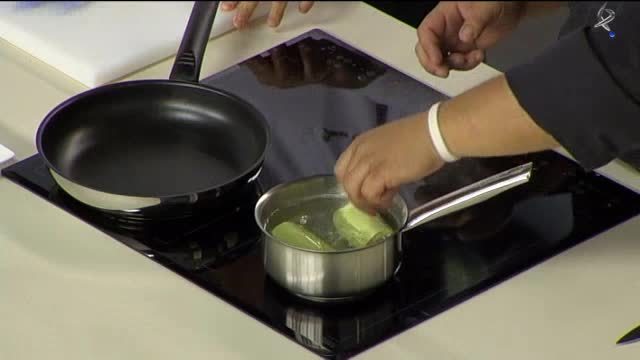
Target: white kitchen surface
x=6, y=156
x=69, y=292
x=96, y=42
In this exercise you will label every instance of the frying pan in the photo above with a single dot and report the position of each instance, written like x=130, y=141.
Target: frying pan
x=156, y=148
x=345, y=275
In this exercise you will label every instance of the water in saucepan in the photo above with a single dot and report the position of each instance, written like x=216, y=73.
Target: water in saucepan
x=315, y=216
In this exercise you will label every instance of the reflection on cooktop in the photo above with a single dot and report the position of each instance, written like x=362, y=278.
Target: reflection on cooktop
x=324, y=93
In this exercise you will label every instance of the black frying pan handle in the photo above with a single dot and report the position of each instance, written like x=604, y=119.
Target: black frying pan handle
x=194, y=42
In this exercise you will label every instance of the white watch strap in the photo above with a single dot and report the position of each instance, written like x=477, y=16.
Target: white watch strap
x=436, y=135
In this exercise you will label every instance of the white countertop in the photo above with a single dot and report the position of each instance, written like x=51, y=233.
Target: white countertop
x=68, y=291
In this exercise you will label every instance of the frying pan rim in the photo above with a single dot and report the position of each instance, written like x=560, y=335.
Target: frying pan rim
x=396, y=231
x=99, y=91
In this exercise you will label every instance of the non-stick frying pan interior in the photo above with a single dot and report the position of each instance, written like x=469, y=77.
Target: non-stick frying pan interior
x=154, y=139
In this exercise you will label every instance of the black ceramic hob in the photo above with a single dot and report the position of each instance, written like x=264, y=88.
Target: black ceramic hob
x=318, y=93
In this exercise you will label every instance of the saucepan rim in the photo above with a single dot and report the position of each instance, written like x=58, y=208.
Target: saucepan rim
x=397, y=227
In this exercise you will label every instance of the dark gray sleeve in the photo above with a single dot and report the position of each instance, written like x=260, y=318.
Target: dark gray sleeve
x=584, y=91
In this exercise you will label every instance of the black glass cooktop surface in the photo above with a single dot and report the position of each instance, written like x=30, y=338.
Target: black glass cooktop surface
x=318, y=94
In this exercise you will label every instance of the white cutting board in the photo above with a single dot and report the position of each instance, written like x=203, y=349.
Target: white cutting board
x=98, y=42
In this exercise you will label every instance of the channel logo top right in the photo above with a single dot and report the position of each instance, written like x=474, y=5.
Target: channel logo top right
x=605, y=17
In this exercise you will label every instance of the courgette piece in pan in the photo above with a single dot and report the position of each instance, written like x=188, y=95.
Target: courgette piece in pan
x=299, y=236
x=358, y=227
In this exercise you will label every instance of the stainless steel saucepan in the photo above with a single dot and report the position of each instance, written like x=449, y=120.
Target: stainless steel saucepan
x=341, y=275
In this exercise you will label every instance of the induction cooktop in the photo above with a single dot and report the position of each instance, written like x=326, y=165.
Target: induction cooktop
x=317, y=94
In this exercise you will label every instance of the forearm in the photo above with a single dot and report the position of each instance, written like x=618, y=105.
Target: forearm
x=488, y=121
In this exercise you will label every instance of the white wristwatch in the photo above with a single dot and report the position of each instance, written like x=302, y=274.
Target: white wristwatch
x=436, y=135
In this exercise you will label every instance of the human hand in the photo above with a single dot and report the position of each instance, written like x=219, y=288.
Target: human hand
x=246, y=9
x=312, y=61
x=455, y=34
x=380, y=160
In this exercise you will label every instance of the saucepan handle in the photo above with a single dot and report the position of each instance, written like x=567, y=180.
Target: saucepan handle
x=469, y=195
